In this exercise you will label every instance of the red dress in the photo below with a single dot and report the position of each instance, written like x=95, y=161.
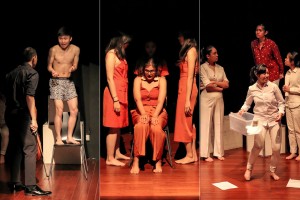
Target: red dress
x=184, y=130
x=110, y=117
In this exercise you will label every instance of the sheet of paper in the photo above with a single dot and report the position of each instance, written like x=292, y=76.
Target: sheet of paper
x=293, y=183
x=225, y=185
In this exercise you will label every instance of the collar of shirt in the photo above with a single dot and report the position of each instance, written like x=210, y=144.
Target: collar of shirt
x=294, y=70
x=265, y=85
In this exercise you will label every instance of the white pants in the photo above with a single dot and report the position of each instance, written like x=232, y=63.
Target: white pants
x=259, y=140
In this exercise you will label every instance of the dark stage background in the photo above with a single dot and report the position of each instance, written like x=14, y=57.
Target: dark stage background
x=145, y=19
x=230, y=26
x=35, y=23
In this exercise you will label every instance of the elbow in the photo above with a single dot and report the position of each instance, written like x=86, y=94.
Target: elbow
x=226, y=85
x=109, y=80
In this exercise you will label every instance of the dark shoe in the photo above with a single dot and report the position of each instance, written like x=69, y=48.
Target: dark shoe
x=36, y=191
x=16, y=187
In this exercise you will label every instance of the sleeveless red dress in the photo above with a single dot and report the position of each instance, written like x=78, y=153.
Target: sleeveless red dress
x=184, y=130
x=110, y=117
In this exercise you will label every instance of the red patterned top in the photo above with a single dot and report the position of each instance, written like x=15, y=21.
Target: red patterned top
x=269, y=55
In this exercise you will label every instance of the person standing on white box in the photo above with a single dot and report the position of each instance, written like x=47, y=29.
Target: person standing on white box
x=268, y=110
x=214, y=81
x=291, y=89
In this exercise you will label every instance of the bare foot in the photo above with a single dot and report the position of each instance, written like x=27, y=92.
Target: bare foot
x=2, y=159
x=135, y=166
x=221, y=158
x=115, y=162
x=297, y=158
x=59, y=142
x=158, y=168
x=72, y=141
x=247, y=175
x=121, y=156
x=209, y=159
x=274, y=176
x=293, y=155
x=185, y=160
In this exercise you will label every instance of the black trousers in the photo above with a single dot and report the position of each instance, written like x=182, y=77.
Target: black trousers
x=22, y=145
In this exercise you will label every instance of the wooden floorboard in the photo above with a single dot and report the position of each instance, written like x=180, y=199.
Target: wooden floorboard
x=180, y=182
x=192, y=181
x=261, y=187
x=67, y=182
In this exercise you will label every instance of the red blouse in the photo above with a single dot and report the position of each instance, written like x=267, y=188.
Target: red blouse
x=269, y=55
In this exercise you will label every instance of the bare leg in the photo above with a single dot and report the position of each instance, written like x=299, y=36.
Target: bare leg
x=58, y=120
x=73, y=107
x=118, y=154
x=195, y=156
x=297, y=158
x=135, y=166
x=158, y=168
x=189, y=155
x=110, y=146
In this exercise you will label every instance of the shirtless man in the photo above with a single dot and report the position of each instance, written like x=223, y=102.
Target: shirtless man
x=62, y=61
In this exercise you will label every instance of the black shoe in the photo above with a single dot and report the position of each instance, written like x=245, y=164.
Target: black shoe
x=16, y=187
x=35, y=191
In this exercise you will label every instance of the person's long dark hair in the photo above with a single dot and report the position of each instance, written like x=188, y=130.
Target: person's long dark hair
x=117, y=43
x=187, y=45
x=256, y=71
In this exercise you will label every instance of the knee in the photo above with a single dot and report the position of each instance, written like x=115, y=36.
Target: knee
x=140, y=126
x=59, y=111
x=258, y=146
x=74, y=111
x=158, y=131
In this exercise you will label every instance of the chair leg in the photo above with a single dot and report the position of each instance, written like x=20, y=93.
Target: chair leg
x=51, y=164
x=84, y=162
x=169, y=146
x=85, y=159
x=131, y=153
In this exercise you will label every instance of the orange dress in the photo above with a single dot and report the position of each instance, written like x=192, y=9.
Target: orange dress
x=110, y=117
x=143, y=131
x=184, y=130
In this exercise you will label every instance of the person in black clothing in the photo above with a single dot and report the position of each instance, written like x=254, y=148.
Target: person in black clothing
x=21, y=118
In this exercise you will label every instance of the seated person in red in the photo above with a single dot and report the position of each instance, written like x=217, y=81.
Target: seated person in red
x=149, y=117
